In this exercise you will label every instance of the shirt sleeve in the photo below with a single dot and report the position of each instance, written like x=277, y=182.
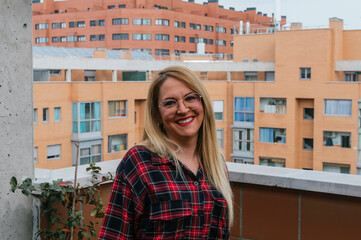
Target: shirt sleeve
x=125, y=206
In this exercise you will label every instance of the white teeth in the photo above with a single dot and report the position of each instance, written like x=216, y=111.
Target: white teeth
x=185, y=121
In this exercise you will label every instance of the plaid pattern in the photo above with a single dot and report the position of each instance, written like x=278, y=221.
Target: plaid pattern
x=150, y=200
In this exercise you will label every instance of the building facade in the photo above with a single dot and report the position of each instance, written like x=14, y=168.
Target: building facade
x=158, y=27
x=289, y=99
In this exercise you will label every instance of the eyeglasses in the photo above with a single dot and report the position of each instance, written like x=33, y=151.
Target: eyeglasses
x=191, y=101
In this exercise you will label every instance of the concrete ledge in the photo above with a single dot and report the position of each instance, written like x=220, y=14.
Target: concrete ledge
x=316, y=181
x=348, y=66
x=48, y=62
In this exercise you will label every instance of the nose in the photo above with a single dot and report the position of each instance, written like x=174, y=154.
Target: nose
x=182, y=108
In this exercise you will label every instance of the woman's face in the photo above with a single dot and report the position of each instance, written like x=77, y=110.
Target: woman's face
x=181, y=123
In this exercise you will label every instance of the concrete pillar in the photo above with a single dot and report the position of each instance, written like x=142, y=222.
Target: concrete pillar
x=229, y=76
x=68, y=75
x=114, y=76
x=16, y=117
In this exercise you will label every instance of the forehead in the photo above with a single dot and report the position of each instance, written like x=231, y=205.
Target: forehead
x=173, y=88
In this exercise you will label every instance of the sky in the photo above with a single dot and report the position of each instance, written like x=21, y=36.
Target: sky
x=311, y=13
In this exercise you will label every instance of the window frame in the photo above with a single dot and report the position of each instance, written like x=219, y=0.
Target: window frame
x=110, y=146
x=57, y=156
x=305, y=71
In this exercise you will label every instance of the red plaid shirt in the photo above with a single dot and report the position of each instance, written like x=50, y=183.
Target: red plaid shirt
x=151, y=200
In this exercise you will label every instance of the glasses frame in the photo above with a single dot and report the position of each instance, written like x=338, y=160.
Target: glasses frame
x=185, y=105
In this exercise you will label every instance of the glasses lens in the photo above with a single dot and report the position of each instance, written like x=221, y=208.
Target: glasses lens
x=192, y=101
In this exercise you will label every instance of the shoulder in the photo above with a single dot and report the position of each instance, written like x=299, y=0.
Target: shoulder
x=134, y=159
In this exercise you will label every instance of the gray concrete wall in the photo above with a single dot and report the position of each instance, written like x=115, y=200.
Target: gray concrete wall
x=16, y=107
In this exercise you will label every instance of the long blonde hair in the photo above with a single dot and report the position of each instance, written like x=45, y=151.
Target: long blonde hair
x=156, y=140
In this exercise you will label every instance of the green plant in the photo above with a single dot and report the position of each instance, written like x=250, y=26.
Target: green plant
x=57, y=196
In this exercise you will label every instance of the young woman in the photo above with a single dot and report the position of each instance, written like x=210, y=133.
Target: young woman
x=173, y=185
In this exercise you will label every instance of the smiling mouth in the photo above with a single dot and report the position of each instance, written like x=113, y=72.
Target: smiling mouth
x=185, y=121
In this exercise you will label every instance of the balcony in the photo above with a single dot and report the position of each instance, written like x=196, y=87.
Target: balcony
x=272, y=203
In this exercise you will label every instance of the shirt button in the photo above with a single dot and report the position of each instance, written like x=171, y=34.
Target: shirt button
x=196, y=183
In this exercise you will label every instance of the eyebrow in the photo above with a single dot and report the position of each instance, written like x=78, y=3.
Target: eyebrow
x=172, y=98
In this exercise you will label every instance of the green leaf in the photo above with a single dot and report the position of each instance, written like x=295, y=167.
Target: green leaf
x=85, y=234
x=13, y=182
x=94, y=212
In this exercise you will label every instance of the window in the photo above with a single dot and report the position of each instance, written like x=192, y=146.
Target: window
x=55, y=72
x=220, y=137
x=100, y=37
x=163, y=22
x=62, y=39
x=208, y=28
x=272, y=135
x=244, y=109
x=117, y=143
x=86, y=117
x=41, y=76
x=350, y=77
x=117, y=109
x=192, y=26
x=218, y=110
x=162, y=37
x=308, y=144
x=111, y=6
x=336, y=168
x=144, y=50
x=81, y=38
x=221, y=42
x=250, y=76
x=305, y=73
x=221, y=29
x=142, y=21
x=199, y=40
x=121, y=36
x=308, y=113
x=80, y=24
x=337, y=139
x=57, y=114
x=41, y=40
x=53, y=152
x=35, y=115
x=122, y=6
x=45, y=115
x=41, y=26
x=338, y=107
x=270, y=76
x=94, y=23
x=179, y=24
x=179, y=38
x=272, y=162
x=243, y=140
x=243, y=161
x=71, y=24
x=120, y=21
x=35, y=154
x=273, y=105
x=209, y=41
x=59, y=25
x=191, y=40
x=162, y=52
x=140, y=36
x=89, y=75
x=91, y=155
x=234, y=31
x=55, y=39
x=71, y=38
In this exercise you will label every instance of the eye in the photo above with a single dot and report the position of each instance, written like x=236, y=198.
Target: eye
x=191, y=98
x=169, y=103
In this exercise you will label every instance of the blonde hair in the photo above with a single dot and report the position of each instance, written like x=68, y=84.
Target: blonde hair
x=155, y=139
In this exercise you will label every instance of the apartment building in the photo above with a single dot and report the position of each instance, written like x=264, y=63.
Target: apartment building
x=289, y=99
x=309, y=117
x=157, y=27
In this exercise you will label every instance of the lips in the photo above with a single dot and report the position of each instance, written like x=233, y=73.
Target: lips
x=185, y=121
